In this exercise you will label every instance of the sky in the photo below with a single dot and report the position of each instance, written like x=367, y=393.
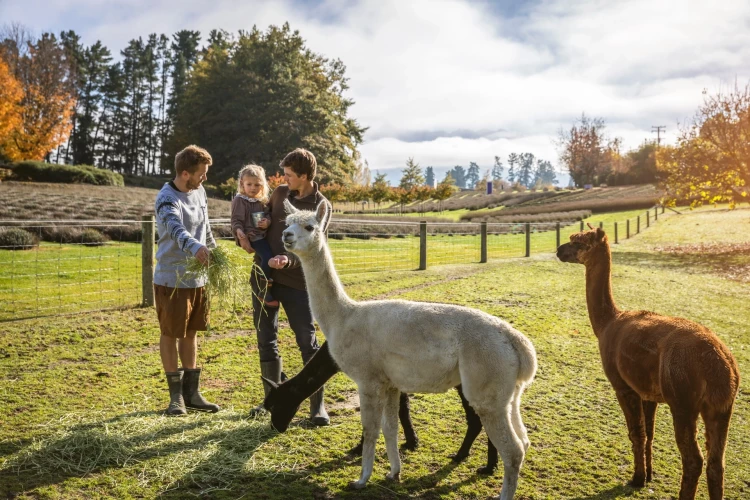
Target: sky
x=448, y=82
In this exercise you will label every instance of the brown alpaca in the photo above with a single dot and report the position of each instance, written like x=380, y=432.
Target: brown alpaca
x=651, y=359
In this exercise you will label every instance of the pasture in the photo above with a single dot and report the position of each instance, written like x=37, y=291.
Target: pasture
x=82, y=395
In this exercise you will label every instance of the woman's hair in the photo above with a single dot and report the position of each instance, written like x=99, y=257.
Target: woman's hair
x=254, y=171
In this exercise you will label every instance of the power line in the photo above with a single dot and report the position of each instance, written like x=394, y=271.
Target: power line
x=658, y=129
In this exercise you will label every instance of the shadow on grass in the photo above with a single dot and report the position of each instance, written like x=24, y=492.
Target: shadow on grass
x=613, y=492
x=723, y=263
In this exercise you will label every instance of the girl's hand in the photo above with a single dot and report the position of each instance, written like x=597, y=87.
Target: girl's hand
x=245, y=244
x=241, y=234
x=264, y=223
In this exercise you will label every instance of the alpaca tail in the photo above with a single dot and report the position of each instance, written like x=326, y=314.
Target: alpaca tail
x=526, y=357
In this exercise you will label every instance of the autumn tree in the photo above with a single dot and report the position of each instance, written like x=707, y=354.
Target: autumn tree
x=380, y=190
x=586, y=151
x=711, y=161
x=444, y=190
x=45, y=73
x=11, y=94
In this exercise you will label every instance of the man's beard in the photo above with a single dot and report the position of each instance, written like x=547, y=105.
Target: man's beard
x=192, y=185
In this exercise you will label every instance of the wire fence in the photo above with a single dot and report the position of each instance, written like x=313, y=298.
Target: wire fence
x=81, y=266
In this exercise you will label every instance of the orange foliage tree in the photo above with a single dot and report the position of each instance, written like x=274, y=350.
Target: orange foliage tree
x=11, y=94
x=46, y=77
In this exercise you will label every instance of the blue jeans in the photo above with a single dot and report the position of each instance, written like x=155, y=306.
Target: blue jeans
x=263, y=250
x=296, y=304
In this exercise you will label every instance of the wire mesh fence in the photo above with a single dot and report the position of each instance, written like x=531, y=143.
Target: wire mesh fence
x=79, y=266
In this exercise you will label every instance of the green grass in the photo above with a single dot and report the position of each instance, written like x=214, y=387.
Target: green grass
x=82, y=394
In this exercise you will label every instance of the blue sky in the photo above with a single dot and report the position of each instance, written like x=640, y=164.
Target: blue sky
x=451, y=81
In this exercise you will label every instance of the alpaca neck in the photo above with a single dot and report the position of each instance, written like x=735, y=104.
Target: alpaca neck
x=601, y=304
x=329, y=302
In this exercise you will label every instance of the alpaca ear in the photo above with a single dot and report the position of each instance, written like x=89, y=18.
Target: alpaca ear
x=269, y=382
x=322, y=213
x=600, y=234
x=289, y=208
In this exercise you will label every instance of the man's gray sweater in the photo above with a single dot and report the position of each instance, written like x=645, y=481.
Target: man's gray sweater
x=182, y=227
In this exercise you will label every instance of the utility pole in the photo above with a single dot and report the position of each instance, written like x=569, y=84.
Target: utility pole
x=658, y=129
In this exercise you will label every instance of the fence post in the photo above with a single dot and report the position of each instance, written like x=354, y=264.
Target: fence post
x=557, y=228
x=627, y=229
x=663, y=208
x=147, y=260
x=648, y=218
x=616, y=238
x=422, y=245
x=528, y=239
x=601, y=225
x=483, y=243
x=656, y=214
x=638, y=225
x=581, y=224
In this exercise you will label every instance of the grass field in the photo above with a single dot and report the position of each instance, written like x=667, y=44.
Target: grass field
x=82, y=395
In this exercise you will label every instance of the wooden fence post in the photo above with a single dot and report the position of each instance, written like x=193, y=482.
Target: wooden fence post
x=581, y=224
x=528, y=239
x=601, y=225
x=616, y=238
x=147, y=260
x=483, y=242
x=638, y=225
x=656, y=214
x=558, y=235
x=648, y=218
x=627, y=230
x=422, y=245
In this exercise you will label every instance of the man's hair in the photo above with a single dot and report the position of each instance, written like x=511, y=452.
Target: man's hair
x=301, y=161
x=190, y=158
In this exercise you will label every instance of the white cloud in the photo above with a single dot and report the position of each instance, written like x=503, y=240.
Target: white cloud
x=450, y=81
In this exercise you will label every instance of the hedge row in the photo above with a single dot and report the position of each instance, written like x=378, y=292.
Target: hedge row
x=37, y=171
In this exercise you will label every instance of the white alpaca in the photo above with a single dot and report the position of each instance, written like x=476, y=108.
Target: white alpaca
x=393, y=346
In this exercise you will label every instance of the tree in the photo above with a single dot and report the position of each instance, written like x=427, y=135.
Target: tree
x=497, y=169
x=381, y=189
x=444, y=190
x=259, y=96
x=429, y=176
x=711, y=161
x=513, y=160
x=459, y=175
x=412, y=175
x=421, y=194
x=544, y=174
x=46, y=76
x=586, y=151
x=472, y=175
x=525, y=174
x=11, y=94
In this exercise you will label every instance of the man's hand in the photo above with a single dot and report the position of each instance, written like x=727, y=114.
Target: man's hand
x=264, y=223
x=203, y=255
x=245, y=244
x=278, y=262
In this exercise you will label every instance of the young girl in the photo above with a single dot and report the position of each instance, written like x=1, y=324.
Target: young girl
x=249, y=220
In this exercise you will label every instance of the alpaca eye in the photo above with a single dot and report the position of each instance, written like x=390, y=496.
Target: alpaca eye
x=309, y=228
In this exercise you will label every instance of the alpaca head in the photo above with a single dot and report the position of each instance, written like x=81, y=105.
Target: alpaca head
x=305, y=229
x=277, y=403
x=582, y=246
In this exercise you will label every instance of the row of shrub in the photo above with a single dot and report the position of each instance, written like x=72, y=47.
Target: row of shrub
x=37, y=171
x=594, y=206
x=574, y=215
x=19, y=238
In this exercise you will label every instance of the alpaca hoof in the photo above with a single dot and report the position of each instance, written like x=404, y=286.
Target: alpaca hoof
x=410, y=445
x=487, y=470
x=396, y=478
x=357, y=485
x=458, y=457
x=637, y=482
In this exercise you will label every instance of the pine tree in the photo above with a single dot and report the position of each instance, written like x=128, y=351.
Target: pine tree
x=429, y=177
x=472, y=175
x=412, y=175
x=513, y=160
x=497, y=169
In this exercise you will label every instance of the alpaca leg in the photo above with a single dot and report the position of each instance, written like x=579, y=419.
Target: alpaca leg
x=404, y=415
x=685, y=429
x=390, y=432
x=632, y=407
x=500, y=431
x=649, y=415
x=515, y=416
x=371, y=413
x=474, y=427
x=717, y=427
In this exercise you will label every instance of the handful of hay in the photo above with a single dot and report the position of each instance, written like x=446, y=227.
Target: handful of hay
x=225, y=277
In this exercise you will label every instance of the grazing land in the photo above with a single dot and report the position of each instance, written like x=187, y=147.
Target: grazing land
x=82, y=395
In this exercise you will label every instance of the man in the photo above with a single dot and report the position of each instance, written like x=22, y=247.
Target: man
x=181, y=305
x=289, y=286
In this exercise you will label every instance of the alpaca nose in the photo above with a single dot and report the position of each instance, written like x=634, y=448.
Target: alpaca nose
x=286, y=236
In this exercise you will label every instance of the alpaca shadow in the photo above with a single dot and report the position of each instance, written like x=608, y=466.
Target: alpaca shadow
x=93, y=447
x=618, y=491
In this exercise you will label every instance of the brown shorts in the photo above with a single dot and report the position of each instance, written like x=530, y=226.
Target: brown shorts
x=180, y=310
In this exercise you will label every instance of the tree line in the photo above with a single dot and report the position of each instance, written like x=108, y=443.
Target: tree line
x=248, y=97
x=524, y=169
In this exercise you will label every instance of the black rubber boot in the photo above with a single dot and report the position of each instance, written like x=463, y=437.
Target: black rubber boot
x=272, y=371
x=318, y=413
x=176, y=403
x=191, y=392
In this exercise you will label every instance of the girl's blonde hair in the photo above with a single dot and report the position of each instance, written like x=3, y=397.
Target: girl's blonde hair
x=254, y=171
